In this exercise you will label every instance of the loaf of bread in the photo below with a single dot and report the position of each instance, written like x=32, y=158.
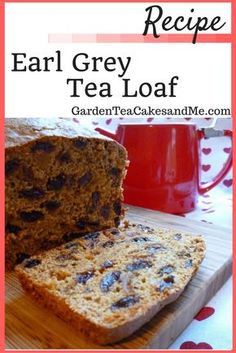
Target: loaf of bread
x=62, y=181
x=109, y=283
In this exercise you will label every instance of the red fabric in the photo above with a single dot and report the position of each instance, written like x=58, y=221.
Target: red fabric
x=227, y=149
x=206, y=167
x=108, y=121
x=204, y=313
x=206, y=151
x=228, y=182
x=193, y=345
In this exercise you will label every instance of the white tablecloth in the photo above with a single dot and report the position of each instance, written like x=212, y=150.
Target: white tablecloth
x=215, y=331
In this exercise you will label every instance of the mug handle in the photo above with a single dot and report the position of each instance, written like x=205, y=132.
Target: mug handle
x=207, y=133
x=106, y=133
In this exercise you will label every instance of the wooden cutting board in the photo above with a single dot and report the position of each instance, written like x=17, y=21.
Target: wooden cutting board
x=29, y=326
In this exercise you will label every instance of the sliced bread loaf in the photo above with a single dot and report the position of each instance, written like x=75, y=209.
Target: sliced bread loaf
x=108, y=284
x=62, y=180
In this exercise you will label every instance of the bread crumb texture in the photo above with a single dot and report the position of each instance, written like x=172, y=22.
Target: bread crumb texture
x=109, y=283
x=62, y=181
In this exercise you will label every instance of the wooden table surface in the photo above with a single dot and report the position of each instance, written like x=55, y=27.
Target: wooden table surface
x=30, y=326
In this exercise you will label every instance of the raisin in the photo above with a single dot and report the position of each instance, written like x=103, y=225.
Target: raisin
x=56, y=183
x=105, y=211
x=71, y=246
x=71, y=236
x=109, y=280
x=32, y=263
x=92, y=239
x=80, y=224
x=152, y=249
x=11, y=228
x=145, y=229
x=71, y=181
x=140, y=239
x=115, y=171
x=64, y=157
x=11, y=166
x=107, y=264
x=80, y=143
x=31, y=216
x=46, y=244
x=166, y=283
x=183, y=253
x=117, y=207
x=32, y=193
x=115, y=232
x=188, y=263
x=115, y=183
x=130, y=234
x=51, y=205
x=44, y=146
x=108, y=244
x=177, y=236
x=27, y=174
x=83, y=277
x=63, y=257
x=117, y=221
x=21, y=257
x=125, y=302
x=91, y=236
x=95, y=199
x=166, y=269
x=85, y=179
x=139, y=265
x=169, y=279
x=83, y=224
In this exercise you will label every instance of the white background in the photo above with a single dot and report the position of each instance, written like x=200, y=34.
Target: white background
x=203, y=69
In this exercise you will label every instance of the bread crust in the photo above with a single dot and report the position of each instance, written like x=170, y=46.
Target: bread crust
x=21, y=131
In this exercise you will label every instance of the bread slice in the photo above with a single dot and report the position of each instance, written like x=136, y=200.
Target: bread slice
x=62, y=180
x=108, y=284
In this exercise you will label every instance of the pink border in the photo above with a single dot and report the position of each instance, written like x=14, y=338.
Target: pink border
x=2, y=210
x=2, y=187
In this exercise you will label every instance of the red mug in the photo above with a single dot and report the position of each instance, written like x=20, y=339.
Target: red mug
x=165, y=165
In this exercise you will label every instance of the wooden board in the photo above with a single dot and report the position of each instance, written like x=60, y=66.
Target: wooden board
x=29, y=326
